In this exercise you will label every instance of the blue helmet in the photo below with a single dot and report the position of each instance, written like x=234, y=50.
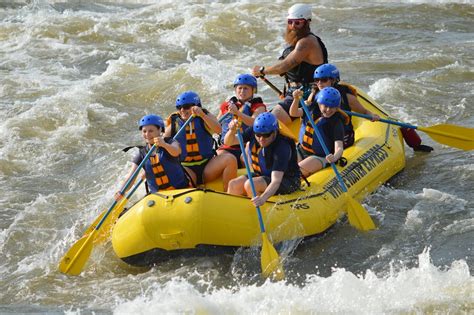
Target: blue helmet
x=329, y=96
x=265, y=123
x=188, y=97
x=151, y=120
x=246, y=79
x=326, y=70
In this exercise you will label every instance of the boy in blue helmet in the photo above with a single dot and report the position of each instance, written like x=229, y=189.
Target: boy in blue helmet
x=273, y=157
x=197, y=144
x=163, y=170
x=330, y=121
x=243, y=106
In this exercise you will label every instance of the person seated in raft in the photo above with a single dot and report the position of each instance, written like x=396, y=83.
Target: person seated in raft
x=243, y=106
x=328, y=75
x=197, y=144
x=330, y=121
x=273, y=157
x=163, y=170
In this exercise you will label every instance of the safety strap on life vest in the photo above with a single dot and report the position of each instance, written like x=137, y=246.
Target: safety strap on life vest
x=161, y=178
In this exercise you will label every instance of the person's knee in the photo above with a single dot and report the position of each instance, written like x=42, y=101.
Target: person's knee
x=248, y=188
x=235, y=186
x=281, y=114
x=229, y=160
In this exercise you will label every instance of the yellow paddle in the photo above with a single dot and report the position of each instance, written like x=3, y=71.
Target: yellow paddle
x=270, y=261
x=358, y=216
x=450, y=135
x=104, y=233
x=76, y=257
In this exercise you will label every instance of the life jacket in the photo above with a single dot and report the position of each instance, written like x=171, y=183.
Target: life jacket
x=262, y=158
x=345, y=89
x=303, y=73
x=196, y=142
x=163, y=171
x=307, y=136
x=245, y=108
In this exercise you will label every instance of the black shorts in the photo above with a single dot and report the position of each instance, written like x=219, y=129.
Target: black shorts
x=198, y=169
x=348, y=138
x=235, y=151
x=287, y=185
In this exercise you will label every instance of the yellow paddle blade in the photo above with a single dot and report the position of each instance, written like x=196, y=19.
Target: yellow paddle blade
x=451, y=135
x=358, y=216
x=271, y=265
x=105, y=229
x=74, y=260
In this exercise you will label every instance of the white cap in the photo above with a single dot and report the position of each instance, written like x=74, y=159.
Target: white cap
x=299, y=11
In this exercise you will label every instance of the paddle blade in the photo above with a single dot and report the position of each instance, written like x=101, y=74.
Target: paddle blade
x=74, y=260
x=451, y=135
x=358, y=216
x=271, y=265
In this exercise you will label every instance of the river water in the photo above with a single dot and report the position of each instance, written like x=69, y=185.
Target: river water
x=76, y=77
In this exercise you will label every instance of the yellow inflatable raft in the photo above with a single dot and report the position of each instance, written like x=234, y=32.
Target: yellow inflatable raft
x=172, y=222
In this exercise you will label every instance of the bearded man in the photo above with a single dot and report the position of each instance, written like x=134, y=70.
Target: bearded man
x=305, y=52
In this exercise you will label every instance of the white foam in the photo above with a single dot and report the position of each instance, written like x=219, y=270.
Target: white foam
x=341, y=293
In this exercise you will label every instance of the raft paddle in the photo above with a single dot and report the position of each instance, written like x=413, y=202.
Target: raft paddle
x=358, y=216
x=269, y=259
x=273, y=87
x=450, y=135
x=104, y=233
x=76, y=257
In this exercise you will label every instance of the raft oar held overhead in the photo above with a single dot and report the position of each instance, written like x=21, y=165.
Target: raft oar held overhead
x=450, y=135
x=270, y=261
x=358, y=216
x=76, y=257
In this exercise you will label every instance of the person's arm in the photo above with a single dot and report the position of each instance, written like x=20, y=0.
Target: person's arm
x=167, y=133
x=276, y=178
x=173, y=148
x=209, y=119
x=338, y=150
x=295, y=110
x=230, y=138
x=356, y=106
x=302, y=49
x=248, y=120
x=118, y=195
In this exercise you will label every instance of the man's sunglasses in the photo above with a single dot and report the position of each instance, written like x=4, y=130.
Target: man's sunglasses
x=323, y=80
x=263, y=135
x=296, y=22
x=185, y=106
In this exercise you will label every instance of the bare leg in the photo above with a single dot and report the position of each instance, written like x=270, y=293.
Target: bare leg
x=260, y=186
x=236, y=186
x=225, y=165
x=281, y=114
x=310, y=165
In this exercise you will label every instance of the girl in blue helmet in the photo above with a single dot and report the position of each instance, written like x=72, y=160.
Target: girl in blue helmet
x=330, y=122
x=197, y=144
x=273, y=157
x=243, y=106
x=163, y=170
